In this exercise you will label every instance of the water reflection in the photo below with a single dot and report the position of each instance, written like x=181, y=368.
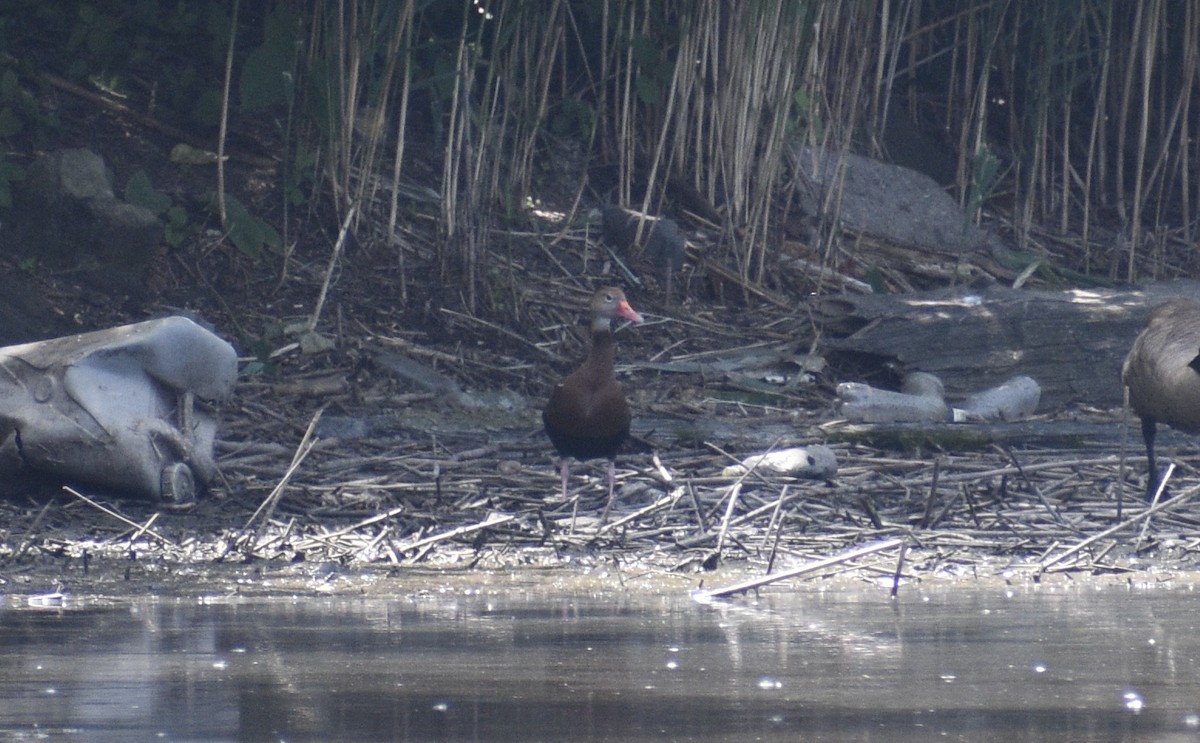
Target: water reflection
x=957, y=664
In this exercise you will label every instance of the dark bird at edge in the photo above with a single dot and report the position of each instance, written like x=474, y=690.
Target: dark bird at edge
x=1162, y=374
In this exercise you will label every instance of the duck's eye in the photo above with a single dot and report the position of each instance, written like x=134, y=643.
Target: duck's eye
x=608, y=298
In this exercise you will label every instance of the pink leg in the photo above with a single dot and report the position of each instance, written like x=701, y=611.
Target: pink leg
x=612, y=474
x=566, y=472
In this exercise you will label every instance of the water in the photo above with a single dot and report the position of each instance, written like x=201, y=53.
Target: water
x=961, y=663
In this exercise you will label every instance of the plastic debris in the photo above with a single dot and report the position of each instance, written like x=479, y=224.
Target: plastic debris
x=1013, y=400
x=129, y=408
x=816, y=462
x=51, y=600
x=920, y=400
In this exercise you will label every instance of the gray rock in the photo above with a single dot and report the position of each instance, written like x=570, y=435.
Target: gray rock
x=66, y=215
x=887, y=201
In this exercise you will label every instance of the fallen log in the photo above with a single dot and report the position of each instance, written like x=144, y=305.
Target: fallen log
x=1072, y=342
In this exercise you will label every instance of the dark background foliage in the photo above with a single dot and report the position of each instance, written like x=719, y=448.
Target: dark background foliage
x=1069, y=124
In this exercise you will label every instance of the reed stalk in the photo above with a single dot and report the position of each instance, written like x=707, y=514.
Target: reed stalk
x=1086, y=108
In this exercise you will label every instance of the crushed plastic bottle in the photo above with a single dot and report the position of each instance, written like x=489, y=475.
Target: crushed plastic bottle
x=1013, y=400
x=921, y=399
x=817, y=462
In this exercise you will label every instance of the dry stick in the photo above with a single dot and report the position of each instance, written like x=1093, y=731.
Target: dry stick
x=333, y=258
x=668, y=499
x=377, y=117
x=1103, y=553
x=493, y=519
x=574, y=513
x=945, y=511
x=1114, y=529
x=933, y=483
x=521, y=339
x=736, y=488
x=662, y=471
x=105, y=509
x=734, y=491
x=754, y=513
x=145, y=527
x=810, y=567
x=1158, y=493
x=899, y=569
x=1122, y=448
x=1017, y=470
x=1162, y=483
x=1032, y=486
x=700, y=519
x=751, y=470
x=383, y=533
x=307, y=442
x=28, y=541
x=278, y=538
x=365, y=522
x=546, y=251
x=148, y=121
x=868, y=506
x=398, y=157
x=776, y=525
x=355, y=544
x=223, y=129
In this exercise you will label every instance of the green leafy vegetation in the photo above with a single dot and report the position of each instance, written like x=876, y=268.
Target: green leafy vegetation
x=141, y=192
x=250, y=234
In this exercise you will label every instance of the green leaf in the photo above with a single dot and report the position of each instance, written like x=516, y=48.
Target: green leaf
x=244, y=230
x=314, y=342
x=257, y=368
x=177, y=223
x=206, y=109
x=262, y=80
x=247, y=232
x=645, y=51
x=800, y=102
x=647, y=89
x=177, y=216
x=267, y=72
x=270, y=236
x=141, y=192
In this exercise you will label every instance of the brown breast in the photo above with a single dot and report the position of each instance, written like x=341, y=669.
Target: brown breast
x=587, y=415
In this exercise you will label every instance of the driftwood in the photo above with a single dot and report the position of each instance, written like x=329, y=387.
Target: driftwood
x=1072, y=342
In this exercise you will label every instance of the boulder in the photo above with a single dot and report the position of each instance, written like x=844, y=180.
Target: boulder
x=66, y=215
x=891, y=202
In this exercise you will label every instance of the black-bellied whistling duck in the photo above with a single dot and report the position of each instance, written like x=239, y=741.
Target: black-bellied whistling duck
x=1162, y=373
x=587, y=416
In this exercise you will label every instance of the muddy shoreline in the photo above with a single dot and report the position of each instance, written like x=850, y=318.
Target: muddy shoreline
x=476, y=505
